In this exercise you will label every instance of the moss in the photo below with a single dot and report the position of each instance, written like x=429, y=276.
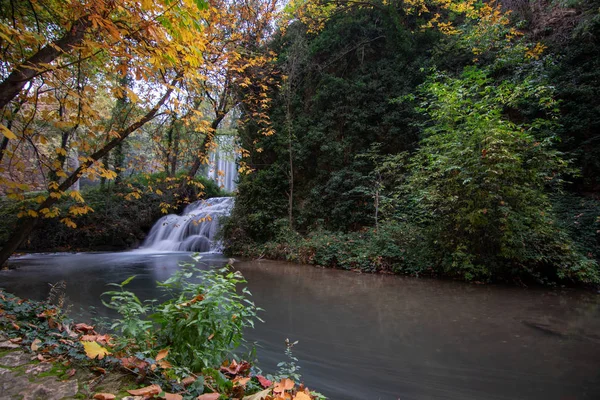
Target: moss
x=58, y=370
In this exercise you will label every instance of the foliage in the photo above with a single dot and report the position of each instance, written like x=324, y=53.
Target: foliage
x=201, y=324
x=394, y=248
x=42, y=329
x=479, y=181
x=204, y=323
x=337, y=104
x=288, y=369
x=130, y=326
x=122, y=214
x=461, y=170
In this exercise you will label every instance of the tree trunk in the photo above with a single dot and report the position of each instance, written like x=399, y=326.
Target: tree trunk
x=26, y=225
x=18, y=78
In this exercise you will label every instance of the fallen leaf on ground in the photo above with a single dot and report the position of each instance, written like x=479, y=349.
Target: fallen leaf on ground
x=47, y=313
x=133, y=362
x=104, y=396
x=234, y=368
x=145, y=391
x=301, y=396
x=258, y=396
x=71, y=372
x=239, y=381
x=264, y=381
x=173, y=396
x=208, y=396
x=99, y=369
x=16, y=340
x=93, y=350
x=102, y=339
x=188, y=381
x=283, y=385
x=162, y=354
x=35, y=345
x=84, y=328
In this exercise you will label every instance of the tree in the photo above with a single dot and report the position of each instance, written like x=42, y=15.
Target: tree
x=479, y=181
x=162, y=43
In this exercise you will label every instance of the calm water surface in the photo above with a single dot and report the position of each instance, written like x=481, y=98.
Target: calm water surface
x=378, y=337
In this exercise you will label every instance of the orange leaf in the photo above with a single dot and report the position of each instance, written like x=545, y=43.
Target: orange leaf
x=239, y=381
x=84, y=327
x=146, y=391
x=301, y=396
x=162, y=354
x=283, y=385
x=188, y=381
x=133, y=362
x=104, y=396
x=208, y=396
x=173, y=396
x=99, y=369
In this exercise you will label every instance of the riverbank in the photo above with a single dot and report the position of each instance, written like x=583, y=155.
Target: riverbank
x=44, y=354
x=393, y=249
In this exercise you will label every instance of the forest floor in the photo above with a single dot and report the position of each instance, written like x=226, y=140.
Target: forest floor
x=24, y=376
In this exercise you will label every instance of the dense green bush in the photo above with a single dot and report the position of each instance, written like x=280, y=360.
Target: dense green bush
x=201, y=324
x=395, y=247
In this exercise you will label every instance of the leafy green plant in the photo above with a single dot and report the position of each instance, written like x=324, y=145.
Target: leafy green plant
x=132, y=326
x=203, y=323
x=480, y=182
x=288, y=368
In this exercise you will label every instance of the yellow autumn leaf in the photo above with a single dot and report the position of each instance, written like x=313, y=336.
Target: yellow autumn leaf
x=7, y=132
x=76, y=195
x=69, y=223
x=93, y=350
x=32, y=213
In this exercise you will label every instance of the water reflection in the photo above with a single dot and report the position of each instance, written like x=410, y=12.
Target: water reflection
x=380, y=337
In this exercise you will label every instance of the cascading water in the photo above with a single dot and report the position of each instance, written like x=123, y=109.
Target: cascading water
x=194, y=230
x=222, y=167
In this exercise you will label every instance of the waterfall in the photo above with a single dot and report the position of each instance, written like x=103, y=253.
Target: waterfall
x=222, y=163
x=194, y=230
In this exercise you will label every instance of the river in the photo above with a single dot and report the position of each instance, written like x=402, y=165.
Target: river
x=376, y=336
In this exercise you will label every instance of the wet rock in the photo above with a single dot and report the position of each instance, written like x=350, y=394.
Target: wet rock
x=7, y=344
x=38, y=368
x=15, y=359
x=49, y=388
x=15, y=385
